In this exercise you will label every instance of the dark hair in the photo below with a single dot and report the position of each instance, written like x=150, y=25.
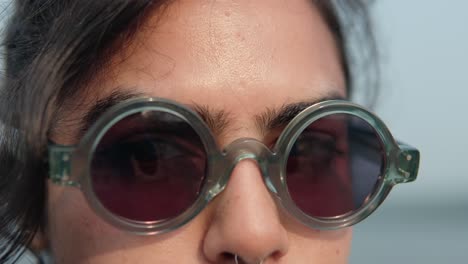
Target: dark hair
x=53, y=46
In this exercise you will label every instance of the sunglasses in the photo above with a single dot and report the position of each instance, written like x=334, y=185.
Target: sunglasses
x=150, y=165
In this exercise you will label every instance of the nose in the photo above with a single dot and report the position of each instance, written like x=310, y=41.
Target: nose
x=245, y=221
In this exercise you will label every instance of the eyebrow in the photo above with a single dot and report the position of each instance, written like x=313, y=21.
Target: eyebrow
x=103, y=105
x=217, y=120
x=274, y=118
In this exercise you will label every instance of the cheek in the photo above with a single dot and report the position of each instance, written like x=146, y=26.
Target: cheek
x=315, y=246
x=78, y=235
x=75, y=232
x=322, y=246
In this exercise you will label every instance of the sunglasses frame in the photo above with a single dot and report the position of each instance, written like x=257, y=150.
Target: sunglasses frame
x=70, y=165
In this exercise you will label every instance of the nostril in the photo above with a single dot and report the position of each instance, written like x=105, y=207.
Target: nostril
x=227, y=257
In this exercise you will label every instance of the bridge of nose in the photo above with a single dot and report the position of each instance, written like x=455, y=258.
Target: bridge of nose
x=247, y=148
x=250, y=148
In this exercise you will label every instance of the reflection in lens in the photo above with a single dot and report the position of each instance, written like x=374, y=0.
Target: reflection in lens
x=148, y=166
x=334, y=166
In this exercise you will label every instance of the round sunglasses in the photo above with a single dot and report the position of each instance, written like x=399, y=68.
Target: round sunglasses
x=150, y=165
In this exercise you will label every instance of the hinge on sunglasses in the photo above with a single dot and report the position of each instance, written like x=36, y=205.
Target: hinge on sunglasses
x=60, y=166
x=407, y=163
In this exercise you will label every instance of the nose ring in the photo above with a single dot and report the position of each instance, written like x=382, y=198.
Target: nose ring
x=236, y=258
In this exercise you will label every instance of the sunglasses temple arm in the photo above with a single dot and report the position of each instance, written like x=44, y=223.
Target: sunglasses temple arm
x=407, y=163
x=60, y=165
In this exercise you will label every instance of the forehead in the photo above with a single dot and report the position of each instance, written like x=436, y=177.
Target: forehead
x=241, y=57
x=243, y=45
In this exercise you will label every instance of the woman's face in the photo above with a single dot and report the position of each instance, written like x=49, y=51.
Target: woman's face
x=240, y=59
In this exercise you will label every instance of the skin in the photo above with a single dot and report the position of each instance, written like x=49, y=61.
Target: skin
x=241, y=57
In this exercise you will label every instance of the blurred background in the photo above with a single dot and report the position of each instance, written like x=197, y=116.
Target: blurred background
x=423, y=100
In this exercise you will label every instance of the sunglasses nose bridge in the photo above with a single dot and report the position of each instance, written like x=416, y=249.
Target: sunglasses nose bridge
x=250, y=148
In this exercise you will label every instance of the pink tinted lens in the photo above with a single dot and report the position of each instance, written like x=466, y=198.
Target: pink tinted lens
x=335, y=166
x=148, y=167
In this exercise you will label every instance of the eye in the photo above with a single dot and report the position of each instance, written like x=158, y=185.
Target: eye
x=145, y=156
x=318, y=147
x=148, y=157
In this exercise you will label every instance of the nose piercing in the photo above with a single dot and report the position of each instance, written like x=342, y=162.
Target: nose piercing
x=236, y=258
